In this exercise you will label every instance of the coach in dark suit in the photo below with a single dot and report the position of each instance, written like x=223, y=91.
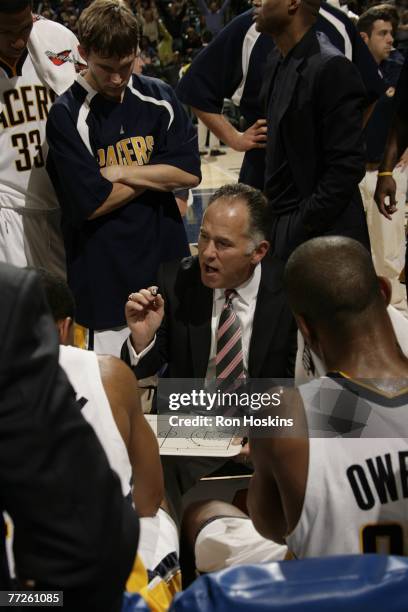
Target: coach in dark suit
x=315, y=148
x=180, y=326
x=73, y=530
x=183, y=340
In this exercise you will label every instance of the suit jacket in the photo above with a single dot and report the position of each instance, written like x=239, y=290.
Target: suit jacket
x=74, y=531
x=318, y=122
x=184, y=338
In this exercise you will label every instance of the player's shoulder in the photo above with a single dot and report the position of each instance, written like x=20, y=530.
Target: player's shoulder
x=117, y=377
x=70, y=102
x=337, y=17
x=151, y=87
x=241, y=23
x=327, y=49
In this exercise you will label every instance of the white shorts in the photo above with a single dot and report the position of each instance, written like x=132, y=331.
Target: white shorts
x=109, y=341
x=158, y=538
x=156, y=573
x=228, y=541
x=32, y=238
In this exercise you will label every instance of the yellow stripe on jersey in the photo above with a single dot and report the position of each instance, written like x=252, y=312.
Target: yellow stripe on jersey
x=80, y=336
x=11, y=67
x=159, y=592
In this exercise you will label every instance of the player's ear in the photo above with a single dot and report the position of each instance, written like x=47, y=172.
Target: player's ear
x=66, y=331
x=385, y=288
x=307, y=332
x=293, y=6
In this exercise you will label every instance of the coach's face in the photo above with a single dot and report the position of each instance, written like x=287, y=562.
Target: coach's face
x=15, y=30
x=226, y=253
x=108, y=75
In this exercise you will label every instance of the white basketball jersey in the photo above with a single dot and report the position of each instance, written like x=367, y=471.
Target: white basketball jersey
x=357, y=486
x=82, y=370
x=25, y=100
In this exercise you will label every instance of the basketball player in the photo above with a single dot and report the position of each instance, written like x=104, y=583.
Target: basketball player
x=343, y=488
x=38, y=60
x=120, y=143
x=325, y=495
x=108, y=396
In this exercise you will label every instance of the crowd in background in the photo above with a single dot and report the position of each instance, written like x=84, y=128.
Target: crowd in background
x=174, y=32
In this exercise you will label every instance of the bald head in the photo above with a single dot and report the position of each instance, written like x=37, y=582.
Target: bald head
x=332, y=279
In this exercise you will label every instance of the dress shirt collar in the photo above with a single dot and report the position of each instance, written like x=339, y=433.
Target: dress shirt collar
x=248, y=291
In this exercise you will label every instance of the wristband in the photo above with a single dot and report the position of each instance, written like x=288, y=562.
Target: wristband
x=384, y=174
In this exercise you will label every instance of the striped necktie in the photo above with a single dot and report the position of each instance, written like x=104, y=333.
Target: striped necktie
x=229, y=363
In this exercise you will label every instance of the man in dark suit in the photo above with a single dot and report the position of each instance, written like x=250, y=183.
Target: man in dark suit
x=315, y=150
x=180, y=326
x=73, y=529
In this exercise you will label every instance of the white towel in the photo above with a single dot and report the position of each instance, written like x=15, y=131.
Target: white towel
x=54, y=52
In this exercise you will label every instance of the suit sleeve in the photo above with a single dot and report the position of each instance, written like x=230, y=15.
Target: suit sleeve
x=340, y=96
x=74, y=531
x=74, y=171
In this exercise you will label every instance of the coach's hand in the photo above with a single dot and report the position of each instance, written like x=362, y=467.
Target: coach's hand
x=144, y=312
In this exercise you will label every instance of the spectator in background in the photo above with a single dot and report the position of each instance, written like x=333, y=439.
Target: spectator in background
x=150, y=27
x=214, y=15
x=173, y=19
x=192, y=43
x=377, y=26
x=165, y=46
x=401, y=36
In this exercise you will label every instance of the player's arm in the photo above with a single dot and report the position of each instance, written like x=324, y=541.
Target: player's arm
x=120, y=195
x=396, y=144
x=216, y=72
x=75, y=173
x=386, y=185
x=202, y=4
x=253, y=138
x=175, y=161
x=123, y=394
x=277, y=487
x=160, y=177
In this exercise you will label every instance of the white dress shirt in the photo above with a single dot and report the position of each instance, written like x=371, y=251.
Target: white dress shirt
x=243, y=303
